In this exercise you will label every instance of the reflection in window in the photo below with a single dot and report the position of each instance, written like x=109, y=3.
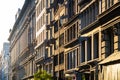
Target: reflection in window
x=61, y=40
x=82, y=51
x=56, y=60
x=61, y=58
x=72, y=59
x=96, y=45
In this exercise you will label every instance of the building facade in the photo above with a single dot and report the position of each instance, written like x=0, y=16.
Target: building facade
x=99, y=39
x=89, y=38
x=22, y=42
x=58, y=32
x=110, y=32
x=44, y=36
x=70, y=39
x=96, y=40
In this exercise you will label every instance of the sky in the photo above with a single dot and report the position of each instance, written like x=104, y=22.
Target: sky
x=8, y=9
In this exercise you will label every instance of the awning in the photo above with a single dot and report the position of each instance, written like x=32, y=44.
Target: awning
x=113, y=57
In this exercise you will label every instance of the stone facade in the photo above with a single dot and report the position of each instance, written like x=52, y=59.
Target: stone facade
x=22, y=42
x=70, y=39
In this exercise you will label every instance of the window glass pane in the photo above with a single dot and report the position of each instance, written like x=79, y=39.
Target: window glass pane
x=61, y=58
x=96, y=45
x=61, y=40
x=83, y=51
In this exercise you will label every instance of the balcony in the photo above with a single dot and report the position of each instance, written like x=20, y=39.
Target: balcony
x=47, y=10
x=71, y=35
x=48, y=26
x=39, y=59
x=34, y=42
x=52, y=5
x=71, y=43
x=110, y=13
x=50, y=42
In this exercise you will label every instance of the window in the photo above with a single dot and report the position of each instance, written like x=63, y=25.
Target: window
x=108, y=3
x=92, y=75
x=61, y=75
x=51, y=50
x=56, y=75
x=72, y=8
x=61, y=40
x=71, y=33
x=50, y=68
x=56, y=45
x=96, y=45
x=61, y=21
x=89, y=15
x=105, y=4
x=72, y=59
x=82, y=51
x=68, y=35
x=67, y=56
x=46, y=53
x=46, y=19
x=100, y=6
x=51, y=15
x=61, y=58
x=30, y=35
x=89, y=49
x=110, y=41
x=56, y=27
x=56, y=60
x=51, y=33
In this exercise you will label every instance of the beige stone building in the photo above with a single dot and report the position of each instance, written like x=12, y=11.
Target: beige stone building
x=22, y=42
x=44, y=35
x=70, y=39
x=58, y=28
x=99, y=39
x=98, y=45
x=110, y=39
